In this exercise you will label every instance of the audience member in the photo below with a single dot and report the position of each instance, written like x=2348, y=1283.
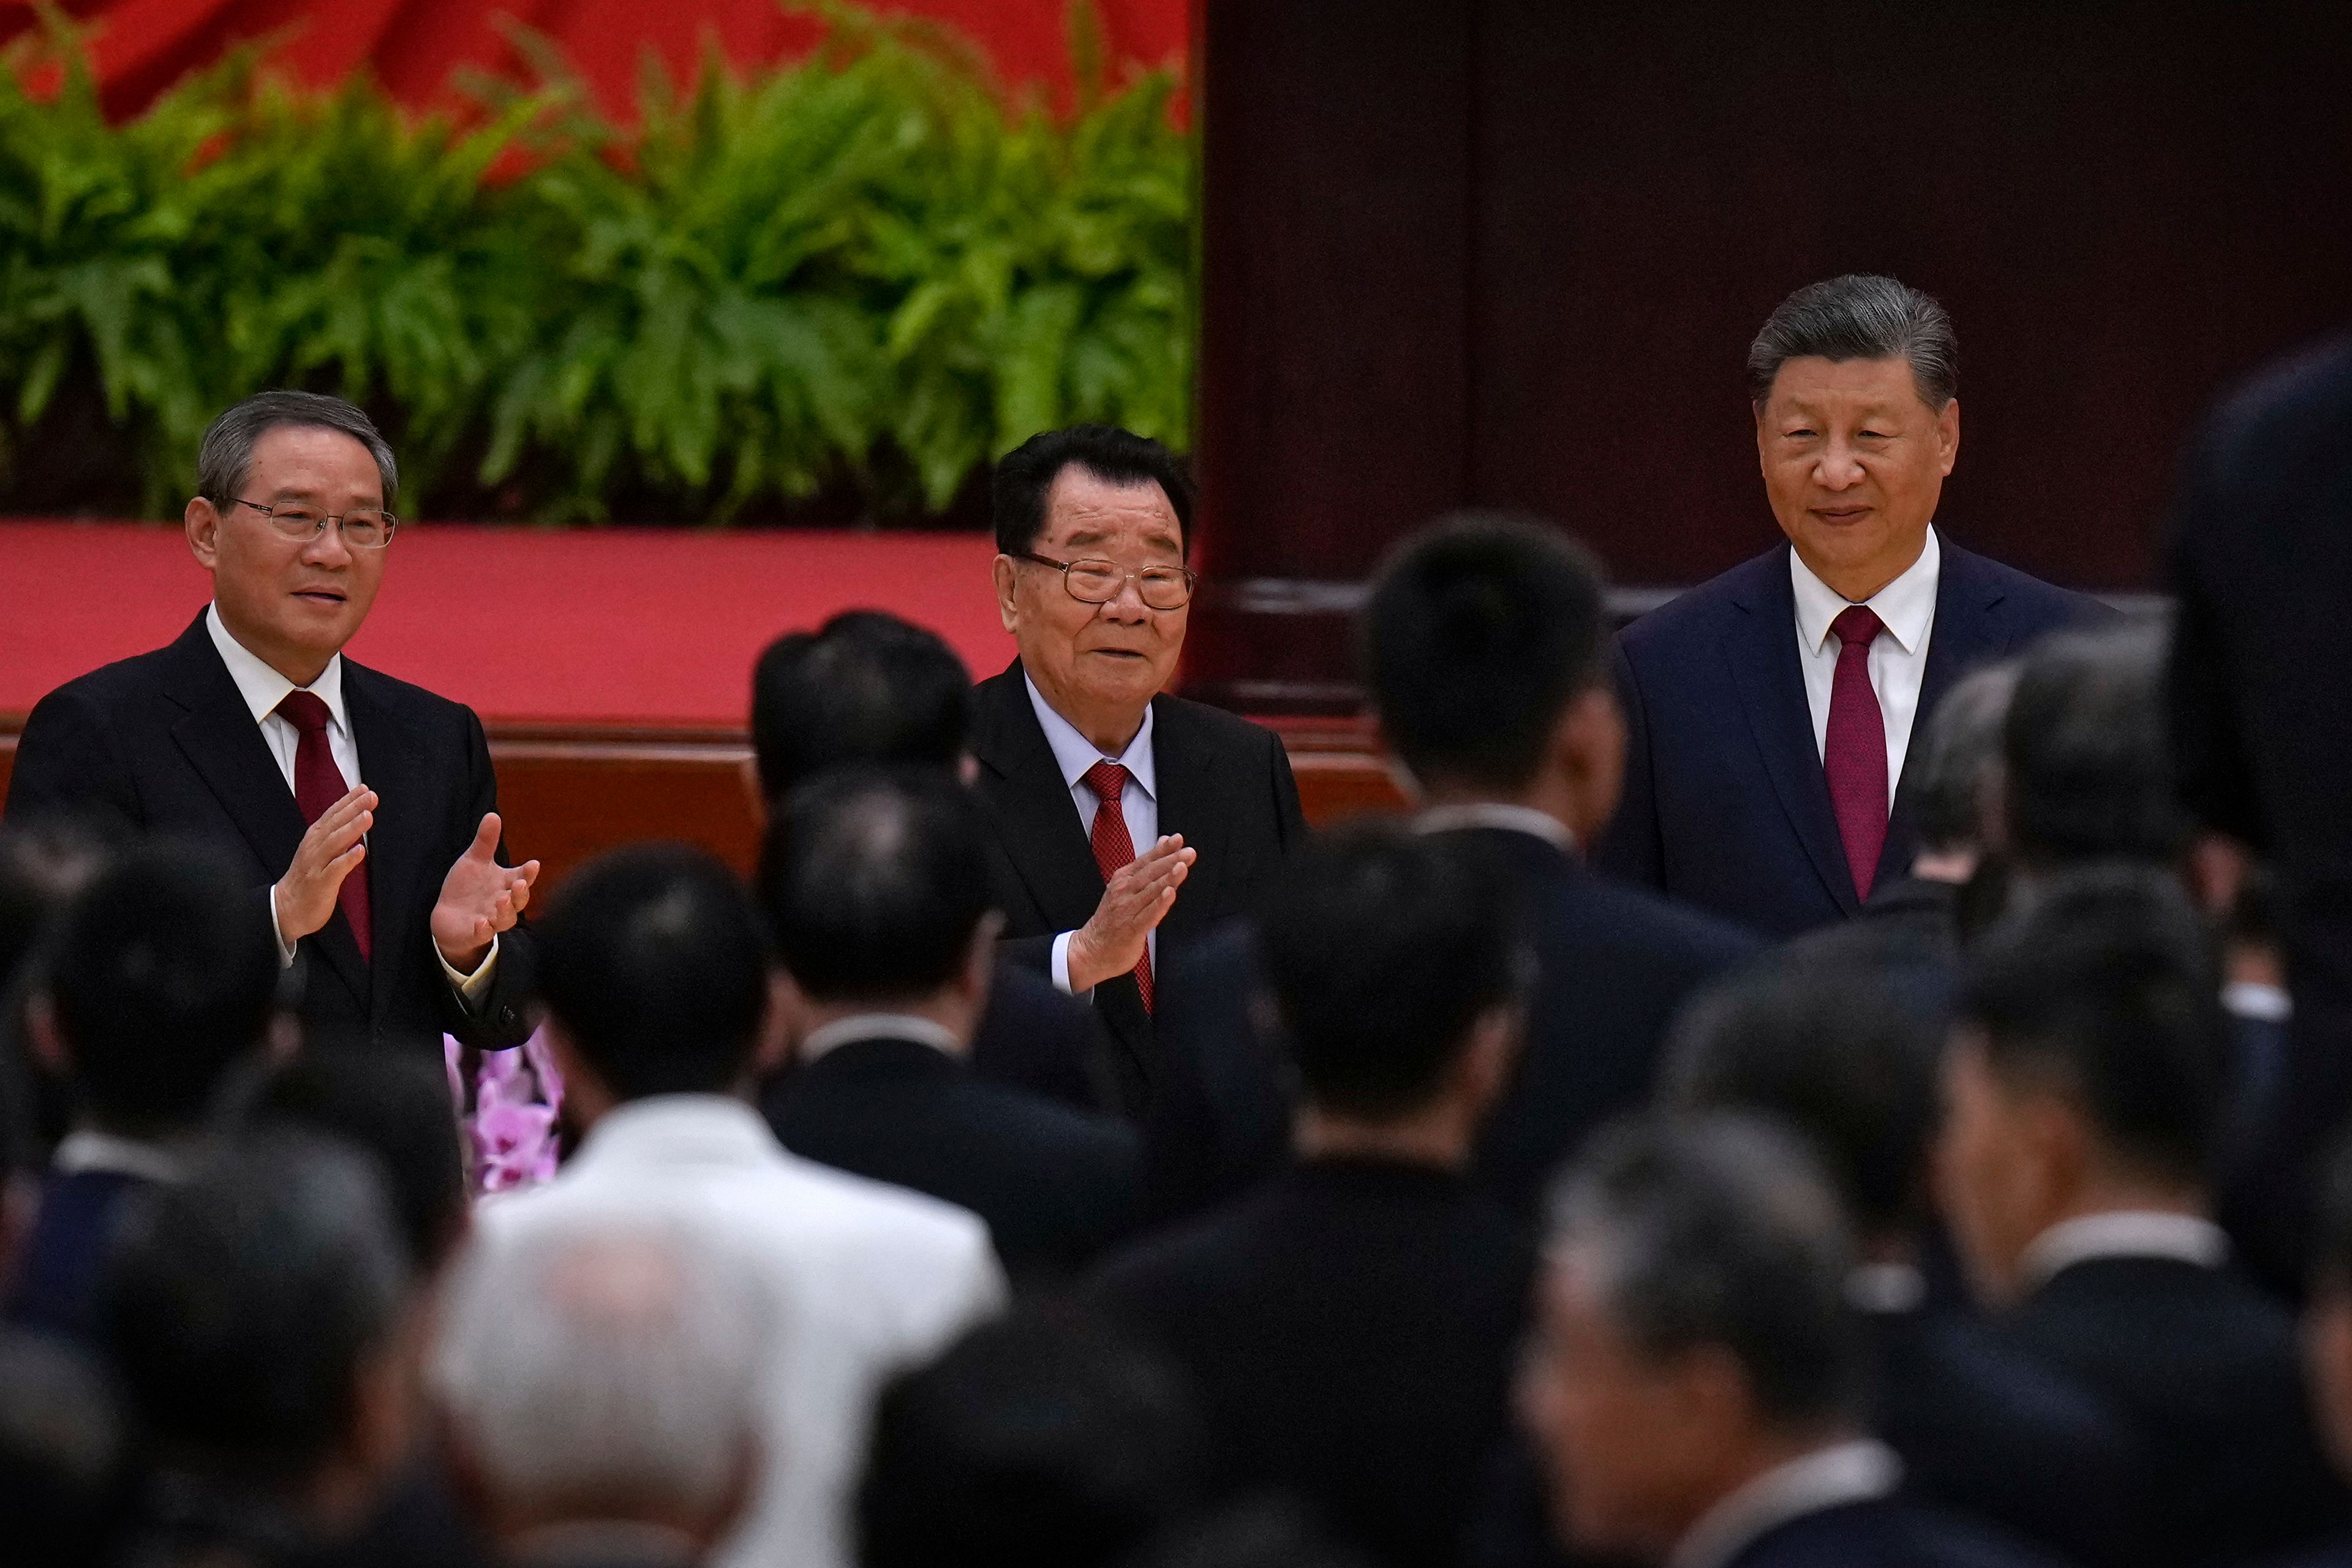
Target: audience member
x=62, y=1453
x=259, y=1319
x=653, y=973
x=876, y=891
x=1769, y=775
x=156, y=989
x=44, y=866
x=1834, y=1053
x=868, y=687
x=2085, y=1092
x=599, y=1379
x=1039, y=1441
x=1695, y=1377
x=1351, y=1326
x=2086, y=773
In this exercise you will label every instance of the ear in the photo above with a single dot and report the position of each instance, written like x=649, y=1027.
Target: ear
x=1486, y=1063
x=281, y=1042
x=1008, y=609
x=1713, y=1404
x=201, y=522
x=46, y=1040
x=384, y=1416
x=586, y=1096
x=780, y=1030
x=1948, y=435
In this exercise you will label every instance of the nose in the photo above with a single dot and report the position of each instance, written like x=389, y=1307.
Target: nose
x=1839, y=467
x=327, y=548
x=1127, y=606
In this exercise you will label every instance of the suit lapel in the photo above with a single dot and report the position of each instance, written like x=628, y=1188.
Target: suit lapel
x=1024, y=785
x=1188, y=805
x=1966, y=633
x=1761, y=648
x=391, y=761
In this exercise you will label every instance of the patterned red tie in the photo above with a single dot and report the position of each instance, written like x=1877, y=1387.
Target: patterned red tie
x=318, y=784
x=1115, y=848
x=1853, y=754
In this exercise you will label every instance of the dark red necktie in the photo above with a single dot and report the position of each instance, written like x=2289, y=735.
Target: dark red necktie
x=1853, y=754
x=1115, y=848
x=318, y=784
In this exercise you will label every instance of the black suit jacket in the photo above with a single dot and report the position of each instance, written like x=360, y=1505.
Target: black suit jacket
x=1613, y=963
x=1725, y=804
x=1224, y=783
x=56, y=1286
x=164, y=743
x=1352, y=1330
x=1055, y=1186
x=1890, y=1533
x=2203, y=1368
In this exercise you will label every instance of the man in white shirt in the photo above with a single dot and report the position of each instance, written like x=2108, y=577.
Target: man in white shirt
x=1770, y=710
x=655, y=976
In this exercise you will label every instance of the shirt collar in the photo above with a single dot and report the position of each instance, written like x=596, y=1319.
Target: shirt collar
x=880, y=1026
x=1510, y=818
x=263, y=688
x=1075, y=753
x=2124, y=1232
x=87, y=1150
x=1906, y=606
x=1862, y=1470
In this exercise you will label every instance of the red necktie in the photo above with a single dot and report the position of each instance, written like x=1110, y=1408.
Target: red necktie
x=1853, y=754
x=318, y=784
x=1114, y=847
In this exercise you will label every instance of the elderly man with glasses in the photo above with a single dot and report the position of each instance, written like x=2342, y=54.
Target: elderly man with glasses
x=362, y=810
x=1122, y=818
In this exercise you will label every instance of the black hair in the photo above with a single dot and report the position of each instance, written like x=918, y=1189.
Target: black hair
x=1481, y=629
x=1024, y=477
x=1383, y=947
x=2086, y=765
x=653, y=961
x=1860, y=315
x=865, y=687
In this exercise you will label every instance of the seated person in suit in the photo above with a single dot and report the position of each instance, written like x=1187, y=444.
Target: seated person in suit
x=876, y=891
x=2086, y=777
x=1958, y=785
x=44, y=864
x=1351, y=1326
x=598, y=1379
x=1121, y=819
x=252, y=733
x=1768, y=774
x=1832, y=1050
x=1485, y=654
x=156, y=989
x=1695, y=1379
x=2084, y=1087
x=867, y=687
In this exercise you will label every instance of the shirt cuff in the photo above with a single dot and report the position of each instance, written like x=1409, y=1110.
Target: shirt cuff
x=470, y=987
x=277, y=936
x=1062, y=967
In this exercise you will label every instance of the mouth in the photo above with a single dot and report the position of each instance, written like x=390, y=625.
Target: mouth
x=321, y=595
x=1116, y=653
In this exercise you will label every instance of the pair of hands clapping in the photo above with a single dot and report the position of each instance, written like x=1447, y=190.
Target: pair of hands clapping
x=480, y=898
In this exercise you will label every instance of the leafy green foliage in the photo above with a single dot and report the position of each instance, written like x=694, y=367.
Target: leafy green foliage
x=867, y=272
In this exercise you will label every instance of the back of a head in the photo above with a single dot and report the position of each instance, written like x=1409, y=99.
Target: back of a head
x=865, y=687
x=2086, y=768
x=653, y=963
x=600, y=1367
x=1042, y=1441
x=1717, y=1230
x=2104, y=988
x=1828, y=1049
x=44, y=864
x=62, y=1447
x=164, y=976
x=1962, y=758
x=1023, y=482
x=1480, y=631
x=1382, y=948
x=876, y=885
x=241, y=1307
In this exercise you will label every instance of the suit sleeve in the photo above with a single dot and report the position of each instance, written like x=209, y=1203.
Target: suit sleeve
x=1289, y=816
x=1035, y=954
x=2210, y=757
x=502, y=1019
x=67, y=765
x=1630, y=848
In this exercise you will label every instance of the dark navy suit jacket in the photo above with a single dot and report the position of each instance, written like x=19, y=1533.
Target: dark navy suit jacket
x=57, y=1287
x=1726, y=804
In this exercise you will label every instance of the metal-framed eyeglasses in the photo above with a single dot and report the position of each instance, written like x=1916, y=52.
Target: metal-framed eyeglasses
x=1092, y=582
x=369, y=527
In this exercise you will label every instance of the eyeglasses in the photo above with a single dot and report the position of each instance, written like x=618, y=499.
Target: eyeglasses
x=369, y=527
x=1099, y=582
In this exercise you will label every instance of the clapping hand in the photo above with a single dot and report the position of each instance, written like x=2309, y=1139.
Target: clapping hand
x=332, y=850
x=1137, y=898
x=479, y=899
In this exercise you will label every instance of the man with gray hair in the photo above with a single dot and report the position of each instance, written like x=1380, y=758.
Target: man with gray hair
x=1695, y=1371
x=599, y=1380
x=1770, y=775
x=360, y=811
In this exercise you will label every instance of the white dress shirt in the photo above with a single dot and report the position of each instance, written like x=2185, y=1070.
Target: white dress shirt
x=1862, y=1470
x=263, y=689
x=880, y=1026
x=1898, y=657
x=1498, y=814
x=149, y=1160
x=2123, y=1233
x=866, y=1280
x=1140, y=802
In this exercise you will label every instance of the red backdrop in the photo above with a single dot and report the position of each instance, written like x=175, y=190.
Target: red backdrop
x=142, y=46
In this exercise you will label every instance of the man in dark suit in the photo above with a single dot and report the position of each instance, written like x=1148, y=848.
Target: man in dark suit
x=2083, y=1092
x=1092, y=525
x=1351, y=1326
x=1484, y=648
x=868, y=687
x=156, y=990
x=251, y=734
x=877, y=890
x=1694, y=1379
x=2327, y=1331
x=1768, y=774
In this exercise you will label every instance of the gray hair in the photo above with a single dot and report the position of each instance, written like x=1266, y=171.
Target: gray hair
x=1859, y=316
x=1720, y=1230
x=1962, y=756
x=586, y=1358
x=226, y=457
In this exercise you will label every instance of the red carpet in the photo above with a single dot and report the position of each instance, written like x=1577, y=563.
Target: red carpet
x=627, y=625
